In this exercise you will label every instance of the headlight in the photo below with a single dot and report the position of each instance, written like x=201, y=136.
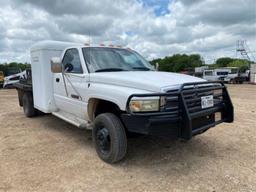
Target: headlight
x=144, y=104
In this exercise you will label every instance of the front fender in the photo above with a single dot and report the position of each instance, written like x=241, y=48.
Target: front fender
x=113, y=93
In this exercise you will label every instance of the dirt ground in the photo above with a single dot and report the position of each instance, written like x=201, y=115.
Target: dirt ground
x=47, y=154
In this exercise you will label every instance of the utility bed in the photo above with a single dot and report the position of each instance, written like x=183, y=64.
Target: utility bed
x=24, y=85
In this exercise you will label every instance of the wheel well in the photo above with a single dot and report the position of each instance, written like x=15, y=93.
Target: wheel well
x=99, y=106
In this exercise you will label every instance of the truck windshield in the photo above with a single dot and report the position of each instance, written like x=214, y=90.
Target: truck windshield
x=103, y=59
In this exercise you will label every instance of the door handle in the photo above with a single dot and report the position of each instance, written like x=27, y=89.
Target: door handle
x=75, y=96
x=57, y=80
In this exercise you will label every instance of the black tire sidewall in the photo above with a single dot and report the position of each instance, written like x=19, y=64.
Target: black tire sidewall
x=28, y=105
x=118, y=144
x=97, y=125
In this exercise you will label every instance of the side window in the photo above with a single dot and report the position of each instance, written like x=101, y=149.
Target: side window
x=71, y=57
x=208, y=73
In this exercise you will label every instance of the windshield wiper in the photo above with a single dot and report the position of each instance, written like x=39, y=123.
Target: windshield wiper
x=142, y=68
x=109, y=70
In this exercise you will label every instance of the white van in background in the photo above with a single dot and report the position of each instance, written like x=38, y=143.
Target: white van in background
x=216, y=74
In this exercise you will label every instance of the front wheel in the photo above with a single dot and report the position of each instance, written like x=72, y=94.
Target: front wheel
x=109, y=137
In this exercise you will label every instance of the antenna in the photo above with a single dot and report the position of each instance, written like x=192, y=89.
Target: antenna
x=90, y=37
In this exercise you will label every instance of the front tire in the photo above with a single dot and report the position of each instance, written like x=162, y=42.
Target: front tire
x=28, y=105
x=109, y=137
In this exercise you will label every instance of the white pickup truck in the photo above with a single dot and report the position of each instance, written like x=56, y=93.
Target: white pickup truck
x=115, y=91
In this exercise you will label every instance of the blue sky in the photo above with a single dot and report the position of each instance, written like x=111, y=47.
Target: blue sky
x=160, y=6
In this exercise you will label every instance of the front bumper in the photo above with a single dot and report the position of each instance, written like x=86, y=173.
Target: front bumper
x=187, y=118
x=150, y=125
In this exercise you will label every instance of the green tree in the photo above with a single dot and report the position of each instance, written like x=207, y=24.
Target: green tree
x=178, y=62
x=223, y=61
x=13, y=66
x=242, y=64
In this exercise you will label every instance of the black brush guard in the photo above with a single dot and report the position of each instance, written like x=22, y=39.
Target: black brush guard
x=183, y=107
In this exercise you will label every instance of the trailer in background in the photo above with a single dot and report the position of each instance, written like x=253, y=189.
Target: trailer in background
x=200, y=70
x=10, y=80
x=1, y=79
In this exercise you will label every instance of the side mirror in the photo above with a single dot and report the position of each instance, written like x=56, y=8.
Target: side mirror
x=69, y=67
x=56, y=65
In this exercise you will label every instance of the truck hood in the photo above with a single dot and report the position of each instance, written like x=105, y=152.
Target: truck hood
x=153, y=81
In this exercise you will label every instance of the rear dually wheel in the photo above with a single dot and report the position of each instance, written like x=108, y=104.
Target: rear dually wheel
x=28, y=105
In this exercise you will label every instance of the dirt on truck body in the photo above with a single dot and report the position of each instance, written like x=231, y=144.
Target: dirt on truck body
x=47, y=154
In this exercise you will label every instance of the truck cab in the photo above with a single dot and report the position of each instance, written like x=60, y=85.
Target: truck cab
x=114, y=91
x=236, y=76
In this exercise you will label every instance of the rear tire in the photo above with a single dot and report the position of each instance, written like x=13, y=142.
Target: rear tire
x=28, y=105
x=109, y=138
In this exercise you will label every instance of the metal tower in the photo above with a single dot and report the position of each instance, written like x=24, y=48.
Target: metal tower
x=243, y=48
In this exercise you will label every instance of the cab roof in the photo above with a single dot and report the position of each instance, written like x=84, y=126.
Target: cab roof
x=53, y=45
x=60, y=45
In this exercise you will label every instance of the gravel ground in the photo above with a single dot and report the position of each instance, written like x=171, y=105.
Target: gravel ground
x=47, y=154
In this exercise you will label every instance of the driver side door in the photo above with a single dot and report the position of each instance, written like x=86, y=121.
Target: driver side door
x=69, y=84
